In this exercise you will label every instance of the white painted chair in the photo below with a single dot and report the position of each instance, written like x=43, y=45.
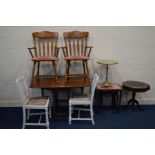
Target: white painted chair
x=85, y=100
x=32, y=103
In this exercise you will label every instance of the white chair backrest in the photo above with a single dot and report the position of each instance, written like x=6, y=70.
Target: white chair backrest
x=23, y=89
x=93, y=86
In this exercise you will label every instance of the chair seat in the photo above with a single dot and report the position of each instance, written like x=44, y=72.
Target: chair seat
x=83, y=99
x=37, y=101
x=49, y=58
x=77, y=58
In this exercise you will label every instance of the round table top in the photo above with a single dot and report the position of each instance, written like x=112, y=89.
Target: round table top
x=136, y=86
x=107, y=62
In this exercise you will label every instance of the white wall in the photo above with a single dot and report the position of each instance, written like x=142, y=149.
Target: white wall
x=133, y=47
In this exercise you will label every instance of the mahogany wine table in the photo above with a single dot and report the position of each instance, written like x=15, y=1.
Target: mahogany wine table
x=135, y=87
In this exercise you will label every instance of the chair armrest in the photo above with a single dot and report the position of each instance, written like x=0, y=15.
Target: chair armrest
x=88, y=50
x=32, y=51
x=64, y=49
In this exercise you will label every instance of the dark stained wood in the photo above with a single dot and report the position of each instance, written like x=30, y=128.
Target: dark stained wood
x=76, y=34
x=45, y=34
x=134, y=87
x=48, y=82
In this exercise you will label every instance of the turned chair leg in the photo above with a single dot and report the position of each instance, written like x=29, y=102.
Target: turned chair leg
x=33, y=70
x=54, y=67
x=87, y=69
x=38, y=68
x=84, y=69
x=67, y=71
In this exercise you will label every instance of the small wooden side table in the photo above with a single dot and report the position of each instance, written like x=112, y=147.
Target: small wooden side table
x=135, y=87
x=114, y=89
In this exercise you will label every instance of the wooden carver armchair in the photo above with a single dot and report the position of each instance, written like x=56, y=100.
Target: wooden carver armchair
x=45, y=50
x=76, y=49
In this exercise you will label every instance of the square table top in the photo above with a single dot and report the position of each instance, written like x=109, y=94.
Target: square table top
x=50, y=83
x=112, y=87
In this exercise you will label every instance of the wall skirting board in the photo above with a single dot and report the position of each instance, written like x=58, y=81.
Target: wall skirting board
x=18, y=103
x=10, y=103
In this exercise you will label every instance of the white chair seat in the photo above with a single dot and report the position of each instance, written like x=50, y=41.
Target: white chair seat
x=37, y=101
x=81, y=99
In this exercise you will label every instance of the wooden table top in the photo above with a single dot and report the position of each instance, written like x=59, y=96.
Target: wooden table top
x=112, y=87
x=49, y=82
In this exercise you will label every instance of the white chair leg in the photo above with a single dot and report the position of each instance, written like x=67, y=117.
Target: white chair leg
x=70, y=114
x=47, y=121
x=91, y=114
x=24, y=118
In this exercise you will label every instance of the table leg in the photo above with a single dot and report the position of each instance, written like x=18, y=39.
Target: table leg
x=101, y=98
x=56, y=100
x=141, y=109
x=119, y=99
x=42, y=92
x=133, y=101
x=82, y=90
x=115, y=101
x=54, y=94
x=96, y=97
